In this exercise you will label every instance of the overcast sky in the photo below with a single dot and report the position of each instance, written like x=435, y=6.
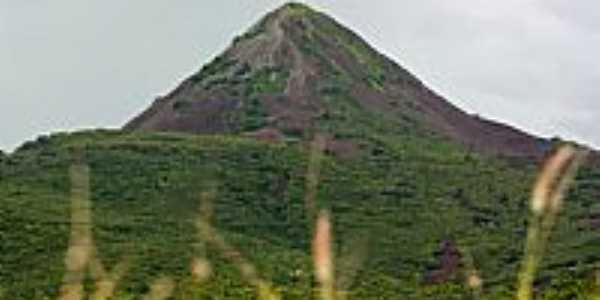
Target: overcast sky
x=72, y=64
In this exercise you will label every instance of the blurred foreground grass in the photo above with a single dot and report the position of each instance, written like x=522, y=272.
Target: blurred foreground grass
x=218, y=218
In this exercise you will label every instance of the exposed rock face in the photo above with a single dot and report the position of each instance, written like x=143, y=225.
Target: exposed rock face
x=449, y=264
x=298, y=70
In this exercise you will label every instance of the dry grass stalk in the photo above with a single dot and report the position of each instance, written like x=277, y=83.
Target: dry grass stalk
x=323, y=257
x=201, y=267
x=472, y=278
x=247, y=270
x=553, y=182
x=107, y=282
x=161, y=289
x=546, y=202
x=201, y=270
x=80, y=242
x=81, y=256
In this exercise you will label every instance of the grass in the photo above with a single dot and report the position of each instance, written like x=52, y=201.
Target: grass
x=546, y=202
x=388, y=211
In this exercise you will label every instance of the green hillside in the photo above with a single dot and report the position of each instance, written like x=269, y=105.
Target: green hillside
x=392, y=209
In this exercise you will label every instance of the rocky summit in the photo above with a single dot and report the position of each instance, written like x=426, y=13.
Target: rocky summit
x=298, y=71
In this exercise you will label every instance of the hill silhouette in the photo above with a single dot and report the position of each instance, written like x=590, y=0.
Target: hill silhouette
x=298, y=70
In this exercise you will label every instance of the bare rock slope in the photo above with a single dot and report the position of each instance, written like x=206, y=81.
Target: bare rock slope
x=298, y=70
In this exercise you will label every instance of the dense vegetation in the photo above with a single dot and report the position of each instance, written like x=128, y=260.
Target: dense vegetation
x=392, y=209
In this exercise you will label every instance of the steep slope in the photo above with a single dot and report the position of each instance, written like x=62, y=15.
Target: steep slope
x=299, y=70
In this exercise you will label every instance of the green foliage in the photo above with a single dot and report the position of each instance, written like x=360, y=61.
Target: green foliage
x=217, y=67
x=567, y=287
x=267, y=81
x=376, y=79
x=445, y=291
x=403, y=195
x=254, y=117
x=259, y=84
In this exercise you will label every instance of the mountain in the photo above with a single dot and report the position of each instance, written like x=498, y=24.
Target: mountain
x=299, y=71
x=298, y=116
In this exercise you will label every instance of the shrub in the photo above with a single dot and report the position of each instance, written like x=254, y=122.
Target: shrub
x=254, y=115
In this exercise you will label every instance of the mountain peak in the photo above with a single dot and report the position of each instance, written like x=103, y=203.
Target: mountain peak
x=298, y=71
x=279, y=33
x=295, y=8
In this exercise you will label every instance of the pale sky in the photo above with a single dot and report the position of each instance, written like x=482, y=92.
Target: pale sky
x=73, y=64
